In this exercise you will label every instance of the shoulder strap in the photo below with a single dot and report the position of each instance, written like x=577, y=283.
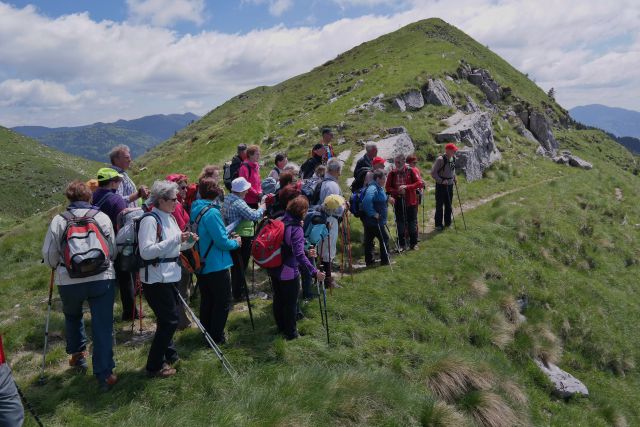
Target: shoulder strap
x=102, y=199
x=444, y=163
x=248, y=167
x=68, y=215
x=200, y=215
x=158, y=223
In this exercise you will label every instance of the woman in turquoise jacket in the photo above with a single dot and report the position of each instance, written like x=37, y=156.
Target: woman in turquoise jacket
x=214, y=247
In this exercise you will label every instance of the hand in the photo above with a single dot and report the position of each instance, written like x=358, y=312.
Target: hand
x=402, y=189
x=144, y=192
x=262, y=205
x=185, y=236
x=392, y=201
x=320, y=275
x=376, y=216
x=193, y=237
x=312, y=252
x=238, y=240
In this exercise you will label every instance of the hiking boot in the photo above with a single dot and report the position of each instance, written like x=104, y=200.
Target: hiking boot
x=414, y=248
x=107, y=383
x=292, y=336
x=165, y=372
x=175, y=361
x=439, y=228
x=79, y=360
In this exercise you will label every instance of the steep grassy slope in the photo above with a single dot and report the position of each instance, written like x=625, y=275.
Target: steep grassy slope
x=34, y=176
x=564, y=238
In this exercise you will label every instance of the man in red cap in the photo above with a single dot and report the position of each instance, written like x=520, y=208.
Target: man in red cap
x=444, y=174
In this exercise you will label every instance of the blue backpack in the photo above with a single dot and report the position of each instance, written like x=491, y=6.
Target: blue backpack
x=355, y=202
x=315, y=228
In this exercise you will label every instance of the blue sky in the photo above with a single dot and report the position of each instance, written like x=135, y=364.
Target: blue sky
x=84, y=61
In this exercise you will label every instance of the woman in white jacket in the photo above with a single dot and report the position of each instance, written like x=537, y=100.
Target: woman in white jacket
x=160, y=241
x=97, y=289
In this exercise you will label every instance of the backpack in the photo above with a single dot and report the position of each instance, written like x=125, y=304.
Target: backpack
x=355, y=202
x=190, y=258
x=315, y=227
x=445, y=161
x=84, y=247
x=315, y=198
x=192, y=195
x=230, y=171
x=269, y=185
x=266, y=248
x=358, y=181
x=309, y=186
x=126, y=238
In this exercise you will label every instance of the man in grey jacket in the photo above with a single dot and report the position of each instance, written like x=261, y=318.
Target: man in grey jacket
x=444, y=174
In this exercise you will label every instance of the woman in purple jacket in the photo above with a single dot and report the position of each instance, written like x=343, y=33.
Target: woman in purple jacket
x=286, y=279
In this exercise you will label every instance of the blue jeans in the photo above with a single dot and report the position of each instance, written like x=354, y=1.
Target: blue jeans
x=100, y=295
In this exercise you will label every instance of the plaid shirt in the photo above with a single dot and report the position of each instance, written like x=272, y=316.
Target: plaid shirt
x=234, y=209
x=126, y=187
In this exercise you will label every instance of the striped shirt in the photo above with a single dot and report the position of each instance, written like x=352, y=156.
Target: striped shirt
x=235, y=209
x=126, y=187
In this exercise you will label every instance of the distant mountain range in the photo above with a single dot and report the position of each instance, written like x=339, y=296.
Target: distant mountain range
x=623, y=124
x=95, y=141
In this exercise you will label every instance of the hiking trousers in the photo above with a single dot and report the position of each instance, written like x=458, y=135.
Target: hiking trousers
x=372, y=232
x=406, y=222
x=215, y=302
x=444, y=199
x=240, y=259
x=125, y=282
x=11, y=410
x=285, y=304
x=100, y=295
x=163, y=300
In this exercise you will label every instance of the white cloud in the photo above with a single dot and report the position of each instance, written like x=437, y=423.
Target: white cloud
x=166, y=12
x=39, y=93
x=276, y=7
x=588, y=52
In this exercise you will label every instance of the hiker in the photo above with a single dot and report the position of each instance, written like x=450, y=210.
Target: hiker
x=120, y=157
x=182, y=219
x=231, y=169
x=235, y=208
x=106, y=199
x=286, y=278
x=364, y=165
x=327, y=137
x=280, y=163
x=309, y=166
x=193, y=194
x=11, y=410
x=160, y=242
x=250, y=171
x=378, y=163
x=443, y=173
x=412, y=161
x=374, y=207
x=214, y=247
x=329, y=186
x=402, y=184
x=288, y=190
x=98, y=289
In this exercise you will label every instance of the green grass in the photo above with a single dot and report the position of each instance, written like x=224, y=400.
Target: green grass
x=558, y=235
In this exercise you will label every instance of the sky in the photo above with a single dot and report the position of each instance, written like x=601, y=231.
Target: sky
x=75, y=62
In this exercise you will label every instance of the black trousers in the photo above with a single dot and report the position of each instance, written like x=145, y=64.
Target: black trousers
x=372, y=232
x=163, y=300
x=407, y=222
x=285, y=299
x=444, y=198
x=215, y=302
x=127, y=294
x=240, y=259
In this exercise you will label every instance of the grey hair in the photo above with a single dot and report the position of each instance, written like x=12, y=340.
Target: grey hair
x=400, y=156
x=370, y=146
x=291, y=167
x=164, y=190
x=117, y=150
x=334, y=165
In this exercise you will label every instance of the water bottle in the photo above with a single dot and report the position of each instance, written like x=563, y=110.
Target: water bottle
x=128, y=248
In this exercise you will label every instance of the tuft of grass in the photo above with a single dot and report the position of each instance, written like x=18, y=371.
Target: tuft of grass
x=440, y=414
x=451, y=378
x=489, y=409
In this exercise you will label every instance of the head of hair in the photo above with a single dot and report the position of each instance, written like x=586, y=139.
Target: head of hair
x=320, y=170
x=317, y=146
x=164, y=190
x=326, y=131
x=209, y=189
x=241, y=148
x=379, y=174
x=279, y=157
x=286, y=178
x=412, y=158
x=334, y=165
x=117, y=151
x=287, y=193
x=369, y=146
x=298, y=206
x=401, y=157
x=252, y=149
x=77, y=191
x=208, y=171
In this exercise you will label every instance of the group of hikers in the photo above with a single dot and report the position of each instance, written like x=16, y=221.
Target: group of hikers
x=153, y=241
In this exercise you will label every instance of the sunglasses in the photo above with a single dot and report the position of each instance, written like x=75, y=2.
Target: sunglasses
x=175, y=199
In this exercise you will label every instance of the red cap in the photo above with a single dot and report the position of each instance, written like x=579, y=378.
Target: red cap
x=378, y=161
x=177, y=177
x=451, y=146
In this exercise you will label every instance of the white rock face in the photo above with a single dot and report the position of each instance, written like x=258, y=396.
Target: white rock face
x=566, y=385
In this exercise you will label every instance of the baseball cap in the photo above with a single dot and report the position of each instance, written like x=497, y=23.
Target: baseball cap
x=106, y=174
x=451, y=146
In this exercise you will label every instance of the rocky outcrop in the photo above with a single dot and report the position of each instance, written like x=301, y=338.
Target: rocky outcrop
x=566, y=158
x=391, y=146
x=476, y=133
x=540, y=126
x=374, y=104
x=565, y=385
x=481, y=78
x=471, y=106
x=435, y=93
x=411, y=100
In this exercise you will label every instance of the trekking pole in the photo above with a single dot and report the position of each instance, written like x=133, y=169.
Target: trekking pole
x=455, y=183
x=449, y=201
x=405, y=220
x=318, y=286
x=391, y=237
x=424, y=195
x=246, y=292
x=225, y=363
x=349, y=246
x=140, y=314
x=46, y=328
x=326, y=316
x=384, y=246
x=28, y=405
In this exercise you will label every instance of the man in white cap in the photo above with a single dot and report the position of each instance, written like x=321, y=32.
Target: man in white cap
x=236, y=209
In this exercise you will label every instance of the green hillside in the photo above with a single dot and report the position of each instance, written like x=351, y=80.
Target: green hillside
x=34, y=176
x=436, y=342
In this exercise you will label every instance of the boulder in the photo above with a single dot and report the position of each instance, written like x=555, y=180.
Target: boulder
x=435, y=92
x=565, y=385
x=476, y=132
x=566, y=158
x=411, y=101
x=540, y=126
x=482, y=78
x=373, y=104
x=527, y=134
x=471, y=106
x=389, y=147
x=396, y=130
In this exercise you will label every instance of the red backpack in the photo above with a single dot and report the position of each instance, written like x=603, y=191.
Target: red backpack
x=85, y=251
x=266, y=248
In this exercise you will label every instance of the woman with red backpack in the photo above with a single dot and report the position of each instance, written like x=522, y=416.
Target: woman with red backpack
x=286, y=278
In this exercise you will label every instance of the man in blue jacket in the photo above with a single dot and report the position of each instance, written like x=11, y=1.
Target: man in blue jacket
x=374, y=207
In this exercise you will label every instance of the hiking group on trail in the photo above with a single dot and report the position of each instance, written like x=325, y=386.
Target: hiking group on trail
x=106, y=239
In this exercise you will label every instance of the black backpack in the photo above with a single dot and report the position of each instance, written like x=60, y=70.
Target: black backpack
x=358, y=181
x=231, y=169
x=315, y=197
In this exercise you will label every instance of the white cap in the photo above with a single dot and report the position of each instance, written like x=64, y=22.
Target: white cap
x=239, y=185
